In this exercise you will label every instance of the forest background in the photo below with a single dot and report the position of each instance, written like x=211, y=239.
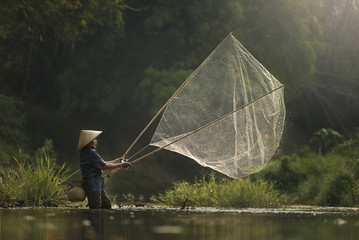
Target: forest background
x=109, y=65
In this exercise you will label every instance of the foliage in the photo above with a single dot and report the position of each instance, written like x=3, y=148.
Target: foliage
x=223, y=192
x=6, y=153
x=41, y=42
x=309, y=177
x=47, y=148
x=11, y=120
x=34, y=184
x=324, y=140
x=129, y=198
x=72, y=58
x=51, y=25
x=189, y=31
x=334, y=85
x=340, y=190
x=157, y=86
x=291, y=46
x=109, y=64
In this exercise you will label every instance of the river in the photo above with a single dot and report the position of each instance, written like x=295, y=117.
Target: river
x=193, y=224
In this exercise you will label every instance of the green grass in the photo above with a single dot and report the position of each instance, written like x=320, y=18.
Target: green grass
x=39, y=182
x=222, y=193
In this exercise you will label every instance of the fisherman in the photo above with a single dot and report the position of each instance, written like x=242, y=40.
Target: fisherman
x=92, y=166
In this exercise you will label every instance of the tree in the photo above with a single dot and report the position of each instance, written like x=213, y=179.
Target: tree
x=336, y=81
x=36, y=35
x=284, y=36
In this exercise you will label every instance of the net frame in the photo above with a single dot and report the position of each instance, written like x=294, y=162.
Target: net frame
x=278, y=88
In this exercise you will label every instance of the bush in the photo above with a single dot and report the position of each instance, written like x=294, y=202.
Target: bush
x=328, y=178
x=40, y=183
x=227, y=193
x=341, y=190
x=324, y=140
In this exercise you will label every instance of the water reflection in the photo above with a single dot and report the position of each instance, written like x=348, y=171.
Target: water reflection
x=128, y=224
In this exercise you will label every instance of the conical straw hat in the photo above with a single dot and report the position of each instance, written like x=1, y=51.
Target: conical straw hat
x=86, y=136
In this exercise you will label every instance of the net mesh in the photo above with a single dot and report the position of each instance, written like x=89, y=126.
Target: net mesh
x=230, y=82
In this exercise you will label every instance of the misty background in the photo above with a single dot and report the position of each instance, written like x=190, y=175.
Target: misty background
x=111, y=64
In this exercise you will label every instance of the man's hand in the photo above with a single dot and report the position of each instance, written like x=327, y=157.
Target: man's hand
x=126, y=165
x=117, y=163
x=119, y=160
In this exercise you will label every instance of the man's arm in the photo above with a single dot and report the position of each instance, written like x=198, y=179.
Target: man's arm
x=113, y=165
x=117, y=160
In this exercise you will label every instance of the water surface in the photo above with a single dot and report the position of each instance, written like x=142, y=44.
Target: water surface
x=192, y=224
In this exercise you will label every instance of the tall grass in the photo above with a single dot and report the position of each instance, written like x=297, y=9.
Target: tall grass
x=36, y=183
x=226, y=193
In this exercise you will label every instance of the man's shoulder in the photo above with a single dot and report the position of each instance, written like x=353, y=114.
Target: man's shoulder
x=88, y=150
x=89, y=153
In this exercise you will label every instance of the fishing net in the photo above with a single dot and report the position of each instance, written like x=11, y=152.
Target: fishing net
x=229, y=115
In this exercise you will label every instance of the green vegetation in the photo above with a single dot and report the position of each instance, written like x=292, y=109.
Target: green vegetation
x=109, y=64
x=12, y=121
x=224, y=192
x=34, y=181
x=325, y=173
x=317, y=177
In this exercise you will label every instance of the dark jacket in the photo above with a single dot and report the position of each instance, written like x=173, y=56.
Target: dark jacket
x=91, y=165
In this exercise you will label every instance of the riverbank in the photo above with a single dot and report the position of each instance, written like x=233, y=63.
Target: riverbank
x=286, y=209
x=289, y=209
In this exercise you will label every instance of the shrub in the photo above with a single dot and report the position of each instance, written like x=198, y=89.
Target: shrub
x=34, y=184
x=324, y=140
x=328, y=178
x=341, y=190
x=227, y=193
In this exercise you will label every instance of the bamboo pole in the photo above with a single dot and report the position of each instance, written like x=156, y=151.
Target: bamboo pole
x=205, y=126
x=201, y=128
